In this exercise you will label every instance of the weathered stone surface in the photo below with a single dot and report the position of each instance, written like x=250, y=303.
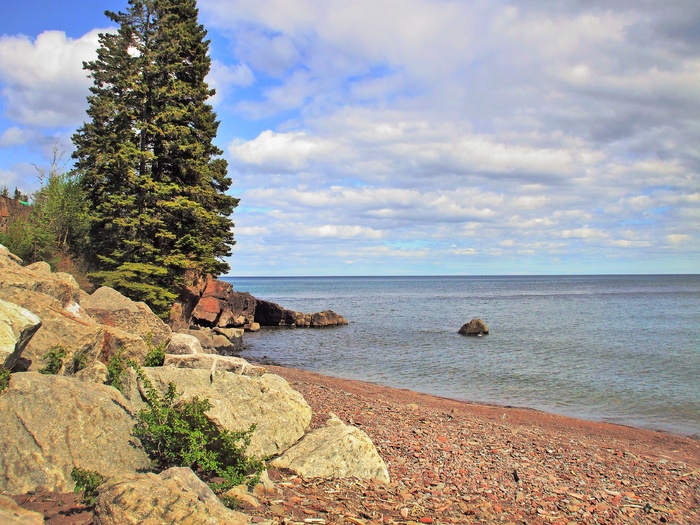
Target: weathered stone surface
x=213, y=362
x=213, y=343
x=474, y=327
x=49, y=424
x=94, y=373
x=17, y=326
x=59, y=327
x=280, y=413
x=183, y=344
x=175, y=496
x=13, y=514
x=219, y=305
x=109, y=307
x=335, y=451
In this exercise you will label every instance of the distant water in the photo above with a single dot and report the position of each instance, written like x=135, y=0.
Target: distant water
x=624, y=349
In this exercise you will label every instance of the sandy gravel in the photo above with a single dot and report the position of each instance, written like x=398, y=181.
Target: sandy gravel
x=454, y=462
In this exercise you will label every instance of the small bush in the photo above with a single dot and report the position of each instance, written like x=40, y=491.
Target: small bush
x=87, y=481
x=115, y=368
x=181, y=435
x=54, y=360
x=156, y=353
x=4, y=378
x=79, y=362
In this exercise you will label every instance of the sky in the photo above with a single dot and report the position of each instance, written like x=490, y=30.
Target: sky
x=416, y=137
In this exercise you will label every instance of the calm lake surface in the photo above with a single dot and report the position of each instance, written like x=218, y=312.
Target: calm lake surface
x=624, y=349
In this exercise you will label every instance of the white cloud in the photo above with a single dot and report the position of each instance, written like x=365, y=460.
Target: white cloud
x=43, y=81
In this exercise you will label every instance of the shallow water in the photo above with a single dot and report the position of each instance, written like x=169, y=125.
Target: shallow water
x=624, y=349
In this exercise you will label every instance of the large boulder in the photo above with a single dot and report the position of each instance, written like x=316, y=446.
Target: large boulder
x=13, y=514
x=37, y=277
x=175, y=496
x=50, y=424
x=335, y=451
x=17, y=326
x=281, y=414
x=183, y=344
x=474, y=327
x=60, y=327
x=109, y=307
x=215, y=342
x=219, y=305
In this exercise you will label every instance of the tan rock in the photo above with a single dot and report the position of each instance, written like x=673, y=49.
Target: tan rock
x=109, y=307
x=94, y=373
x=39, y=278
x=13, y=514
x=213, y=362
x=183, y=344
x=17, y=327
x=280, y=413
x=335, y=451
x=474, y=327
x=49, y=424
x=175, y=496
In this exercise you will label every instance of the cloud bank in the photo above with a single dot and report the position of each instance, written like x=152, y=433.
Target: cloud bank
x=433, y=136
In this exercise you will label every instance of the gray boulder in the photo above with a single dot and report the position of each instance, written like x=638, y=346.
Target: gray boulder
x=474, y=327
x=50, y=424
x=335, y=451
x=280, y=413
x=175, y=496
x=17, y=326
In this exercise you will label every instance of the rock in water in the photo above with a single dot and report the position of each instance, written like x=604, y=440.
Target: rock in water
x=175, y=495
x=474, y=327
x=50, y=424
x=335, y=451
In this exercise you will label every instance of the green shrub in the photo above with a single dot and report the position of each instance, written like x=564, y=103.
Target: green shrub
x=180, y=434
x=54, y=360
x=115, y=368
x=156, y=353
x=87, y=481
x=4, y=378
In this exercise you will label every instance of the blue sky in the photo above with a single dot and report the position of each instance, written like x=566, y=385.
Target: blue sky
x=416, y=136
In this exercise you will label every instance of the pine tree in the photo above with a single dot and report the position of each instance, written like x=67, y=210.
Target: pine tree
x=152, y=175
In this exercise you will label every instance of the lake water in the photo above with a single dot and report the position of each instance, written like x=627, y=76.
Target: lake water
x=624, y=349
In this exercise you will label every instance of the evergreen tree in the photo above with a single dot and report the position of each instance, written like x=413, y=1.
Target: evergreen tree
x=154, y=183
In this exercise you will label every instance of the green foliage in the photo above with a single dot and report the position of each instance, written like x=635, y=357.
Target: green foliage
x=87, y=481
x=79, y=362
x=116, y=365
x=4, y=378
x=57, y=222
x=179, y=434
x=232, y=502
x=153, y=181
x=156, y=353
x=54, y=360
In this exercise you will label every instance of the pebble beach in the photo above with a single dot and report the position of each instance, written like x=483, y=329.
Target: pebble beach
x=456, y=462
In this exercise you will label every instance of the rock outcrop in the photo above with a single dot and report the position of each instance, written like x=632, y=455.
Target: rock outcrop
x=335, y=451
x=213, y=303
x=17, y=326
x=175, y=495
x=474, y=327
x=281, y=414
x=50, y=424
